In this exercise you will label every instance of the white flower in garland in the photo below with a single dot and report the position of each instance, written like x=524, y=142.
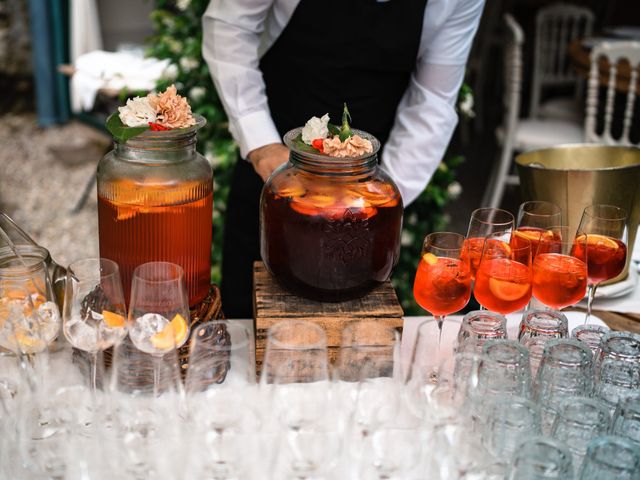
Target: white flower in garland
x=466, y=106
x=188, y=63
x=197, y=93
x=183, y=4
x=315, y=128
x=138, y=112
x=170, y=73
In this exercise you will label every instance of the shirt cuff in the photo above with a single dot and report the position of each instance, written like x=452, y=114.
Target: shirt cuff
x=254, y=130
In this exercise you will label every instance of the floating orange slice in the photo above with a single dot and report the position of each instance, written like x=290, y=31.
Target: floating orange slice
x=506, y=290
x=533, y=235
x=172, y=335
x=113, y=320
x=430, y=258
x=599, y=240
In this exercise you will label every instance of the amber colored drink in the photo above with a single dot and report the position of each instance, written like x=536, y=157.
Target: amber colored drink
x=333, y=243
x=606, y=256
x=442, y=285
x=133, y=233
x=534, y=236
x=503, y=285
x=474, y=246
x=559, y=280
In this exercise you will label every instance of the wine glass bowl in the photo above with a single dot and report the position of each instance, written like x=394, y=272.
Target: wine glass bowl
x=602, y=233
x=503, y=279
x=159, y=310
x=483, y=223
x=560, y=270
x=443, y=279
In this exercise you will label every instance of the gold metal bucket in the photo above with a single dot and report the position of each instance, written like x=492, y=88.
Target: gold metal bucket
x=575, y=176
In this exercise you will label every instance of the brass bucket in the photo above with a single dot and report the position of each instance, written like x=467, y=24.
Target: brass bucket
x=575, y=176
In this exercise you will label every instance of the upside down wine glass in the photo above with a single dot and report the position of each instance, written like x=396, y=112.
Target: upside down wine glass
x=443, y=279
x=603, y=233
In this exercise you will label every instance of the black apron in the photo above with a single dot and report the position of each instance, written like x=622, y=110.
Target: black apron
x=332, y=51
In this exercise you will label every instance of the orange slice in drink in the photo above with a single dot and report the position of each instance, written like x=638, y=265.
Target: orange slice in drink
x=506, y=290
x=599, y=240
x=173, y=334
x=28, y=343
x=113, y=320
x=533, y=235
x=430, y=258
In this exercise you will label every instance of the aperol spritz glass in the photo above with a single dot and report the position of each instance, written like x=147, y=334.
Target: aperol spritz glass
x=483, y=223
x=535, y=221
x=503, y=279
x=603, y=233
x=560, y=270
x=443, y=279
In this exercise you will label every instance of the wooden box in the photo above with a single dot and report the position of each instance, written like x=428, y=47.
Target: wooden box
x=272, y=303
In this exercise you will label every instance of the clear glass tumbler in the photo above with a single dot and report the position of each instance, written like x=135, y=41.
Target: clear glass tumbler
x=617, y=371
x=479, y=326
x=541, y=458
x=537, y=327
x=610, y=457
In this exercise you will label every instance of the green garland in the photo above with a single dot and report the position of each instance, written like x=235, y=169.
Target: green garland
x=178, y=37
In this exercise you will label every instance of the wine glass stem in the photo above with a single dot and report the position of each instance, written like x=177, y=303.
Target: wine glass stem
x=591, y=293
x=93, y=371
x=156, y=375
x=440, y=320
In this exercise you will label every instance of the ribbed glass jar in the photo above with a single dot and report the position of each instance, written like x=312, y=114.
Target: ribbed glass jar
x=155, y=203
x=330, y=227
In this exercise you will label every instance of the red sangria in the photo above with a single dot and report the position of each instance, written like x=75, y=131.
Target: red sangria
x=330, y=227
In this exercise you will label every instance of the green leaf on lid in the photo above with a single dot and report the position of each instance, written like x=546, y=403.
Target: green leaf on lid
x=333, y=129
x=300, y=145
x=120, y=132
x=345, y=130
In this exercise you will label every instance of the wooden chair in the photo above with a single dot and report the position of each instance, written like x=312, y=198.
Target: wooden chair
x=614, y=54
x=516, y=135
x=557, y=26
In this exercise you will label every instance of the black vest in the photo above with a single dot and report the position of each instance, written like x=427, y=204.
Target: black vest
x=333, y=51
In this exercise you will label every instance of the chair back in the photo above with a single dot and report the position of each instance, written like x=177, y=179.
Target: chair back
x=616, y=55
x=512, y=77
x=557, y=26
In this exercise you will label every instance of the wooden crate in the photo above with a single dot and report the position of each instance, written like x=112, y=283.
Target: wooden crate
x=272, y=303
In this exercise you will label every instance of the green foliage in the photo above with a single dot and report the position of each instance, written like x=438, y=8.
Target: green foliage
x=178, y=37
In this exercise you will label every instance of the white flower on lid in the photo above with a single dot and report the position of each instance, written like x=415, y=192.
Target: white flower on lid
x=138, y=112
x=315, y=128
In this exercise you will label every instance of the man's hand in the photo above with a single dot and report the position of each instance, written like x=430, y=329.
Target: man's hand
x=267, y=158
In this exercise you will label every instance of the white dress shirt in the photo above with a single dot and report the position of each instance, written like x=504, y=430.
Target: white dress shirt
x=238, y=32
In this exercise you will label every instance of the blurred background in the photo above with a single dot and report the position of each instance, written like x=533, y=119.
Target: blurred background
x=66, y=64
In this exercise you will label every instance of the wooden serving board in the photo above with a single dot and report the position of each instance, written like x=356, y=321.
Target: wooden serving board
x=272, y=304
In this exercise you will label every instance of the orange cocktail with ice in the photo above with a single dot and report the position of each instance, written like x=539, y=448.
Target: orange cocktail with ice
x=443, y=279
x=503, y=279
x=560, y=270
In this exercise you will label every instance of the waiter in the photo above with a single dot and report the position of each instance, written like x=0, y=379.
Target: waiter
x=398, y=64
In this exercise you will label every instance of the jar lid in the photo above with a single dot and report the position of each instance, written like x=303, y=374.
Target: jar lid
x=292, y=140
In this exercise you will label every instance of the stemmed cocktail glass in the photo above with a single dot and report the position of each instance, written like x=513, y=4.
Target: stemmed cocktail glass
x=603, y=233
x=560, y=270
x=535, y=221
x=503, y=279
x=94, y=310
x=443, y=279
x=483, y=223
x=159, y=311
